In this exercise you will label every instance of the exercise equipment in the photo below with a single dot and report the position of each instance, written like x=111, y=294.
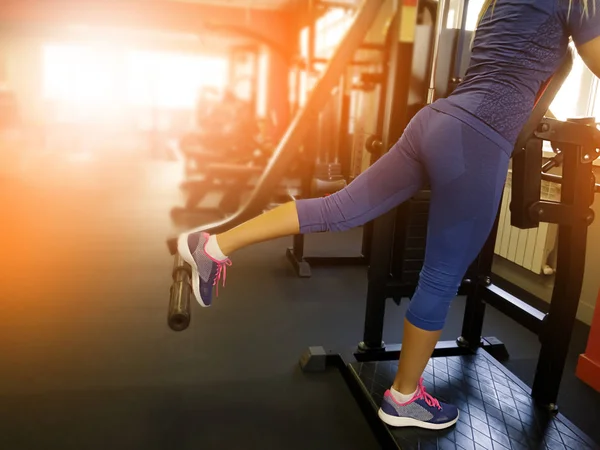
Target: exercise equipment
x=322, y=168
x=497, y=410
x=333, y=172
x=327, y=175
x=229, y=140
x=222, y=162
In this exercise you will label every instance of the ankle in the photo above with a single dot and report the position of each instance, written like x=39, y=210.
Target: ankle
x=403, y=397
x=404, y=388
x=214, y=250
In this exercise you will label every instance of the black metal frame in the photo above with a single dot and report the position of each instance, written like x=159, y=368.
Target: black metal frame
x=572, y=214
x=576, y=139
x=396, y=263
x=295, y=254
x=578, y=142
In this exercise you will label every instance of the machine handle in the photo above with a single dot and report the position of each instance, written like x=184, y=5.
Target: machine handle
x=179, y=315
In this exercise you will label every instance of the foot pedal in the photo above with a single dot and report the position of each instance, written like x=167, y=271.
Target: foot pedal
x=314, y=360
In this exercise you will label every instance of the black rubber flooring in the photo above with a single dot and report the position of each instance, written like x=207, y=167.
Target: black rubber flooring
x=87, y=360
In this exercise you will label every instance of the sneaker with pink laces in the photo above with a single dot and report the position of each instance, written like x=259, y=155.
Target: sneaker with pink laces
x=421, y=411
x=206, y=271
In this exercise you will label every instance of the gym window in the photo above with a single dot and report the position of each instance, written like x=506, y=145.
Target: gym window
x=87, y=81
x=165, y=80
x=330, y=29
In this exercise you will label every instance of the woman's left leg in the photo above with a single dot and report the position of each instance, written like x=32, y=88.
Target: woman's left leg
x=394, y=178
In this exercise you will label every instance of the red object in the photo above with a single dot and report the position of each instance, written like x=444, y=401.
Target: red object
x=588, y=367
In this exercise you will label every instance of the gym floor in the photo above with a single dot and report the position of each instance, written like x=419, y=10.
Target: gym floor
x=89, y=363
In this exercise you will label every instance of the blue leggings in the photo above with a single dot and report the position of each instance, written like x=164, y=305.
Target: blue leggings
x=466, y=172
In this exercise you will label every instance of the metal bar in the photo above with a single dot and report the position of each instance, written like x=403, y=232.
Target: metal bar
x=545, y=99
x=551, y=177
x=367, y=237
x=390, y=40
x=472, y=328
x=298, y=246
x=392, y=352
x=460, y=44
x=526, y=185
x=345, y=144
x=335, y=260
x=554, y=162
x=311, y=38
x=439, y=25
x=351, y=63
x=569, y=132
x=179, y=314
x=516, y=309
x=288, y=147
x=372, y=46
x=339, y=137
x=383, y=227
x=570, y=269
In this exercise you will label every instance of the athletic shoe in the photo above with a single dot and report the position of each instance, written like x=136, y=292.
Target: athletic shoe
x=421, y=411
x=206, y=271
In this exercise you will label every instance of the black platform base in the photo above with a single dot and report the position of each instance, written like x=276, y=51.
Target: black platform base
x=496, y=409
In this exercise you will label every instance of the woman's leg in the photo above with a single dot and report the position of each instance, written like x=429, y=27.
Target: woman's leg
x=278, y=222
x=467, y=173
x=394, y=178
x=391, y=180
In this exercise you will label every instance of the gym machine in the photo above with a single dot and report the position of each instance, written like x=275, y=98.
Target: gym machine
x=320, y=169
x=497, y=410
x=230, y=149
x=329, y=176
x=285, y=153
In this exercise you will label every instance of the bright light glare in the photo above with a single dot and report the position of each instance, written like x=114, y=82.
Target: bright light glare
x=473, y=13
x=93, y=77
x=263, y=84
x=171, y=80
x=565, y=103
x=85, y=75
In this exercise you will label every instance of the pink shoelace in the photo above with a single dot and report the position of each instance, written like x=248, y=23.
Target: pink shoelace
x=427, y=397
x=221, y=272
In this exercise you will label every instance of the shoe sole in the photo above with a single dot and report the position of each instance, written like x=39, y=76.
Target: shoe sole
x=184, y=251
x=395, y=421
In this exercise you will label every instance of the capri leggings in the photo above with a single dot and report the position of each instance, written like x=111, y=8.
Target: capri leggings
x=466, y=172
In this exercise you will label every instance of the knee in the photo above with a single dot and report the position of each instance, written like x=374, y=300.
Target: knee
x=429, y=306
x=322, y=214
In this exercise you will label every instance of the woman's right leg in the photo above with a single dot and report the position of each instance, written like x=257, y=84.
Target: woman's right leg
x=394, y=178
x=467, y=173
